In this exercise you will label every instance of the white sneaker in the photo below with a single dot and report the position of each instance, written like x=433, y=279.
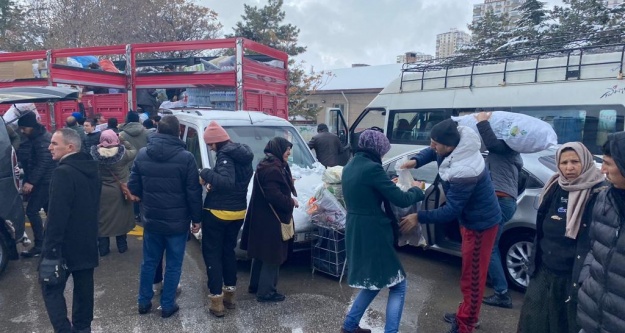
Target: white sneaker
x=24, y=240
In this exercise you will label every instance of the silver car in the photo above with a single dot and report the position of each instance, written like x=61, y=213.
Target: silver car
x=518, y=235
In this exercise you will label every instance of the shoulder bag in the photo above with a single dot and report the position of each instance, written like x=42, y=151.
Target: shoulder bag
x=125, y=190
x=287, y=229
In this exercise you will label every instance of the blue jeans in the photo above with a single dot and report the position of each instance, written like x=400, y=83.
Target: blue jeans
x=495, y=268
x=153, y=247
x=394, y=307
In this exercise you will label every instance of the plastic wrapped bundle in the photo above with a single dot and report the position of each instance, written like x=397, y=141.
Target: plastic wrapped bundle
x=404, y=182
x=326, y=211
x=332, y=180
x=521, y=132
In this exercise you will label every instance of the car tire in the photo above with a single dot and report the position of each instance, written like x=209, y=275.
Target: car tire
x=4, y=253
x=515, y=253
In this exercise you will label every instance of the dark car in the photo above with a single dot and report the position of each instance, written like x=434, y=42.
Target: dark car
x=11, y=209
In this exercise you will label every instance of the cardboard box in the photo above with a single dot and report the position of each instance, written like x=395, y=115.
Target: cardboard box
x=15, y=70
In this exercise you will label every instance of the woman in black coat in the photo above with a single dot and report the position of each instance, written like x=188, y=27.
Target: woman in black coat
x=271, y=204
x=562, y=242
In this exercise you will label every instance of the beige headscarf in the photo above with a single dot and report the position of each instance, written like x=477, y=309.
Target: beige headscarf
x=579, y=188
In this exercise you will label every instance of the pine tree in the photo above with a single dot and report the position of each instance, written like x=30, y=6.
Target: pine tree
x=528, y=30
x=265, y=25
x=582, y=22
x=488, y=35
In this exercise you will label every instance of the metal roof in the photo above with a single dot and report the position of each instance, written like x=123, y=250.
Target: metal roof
x=368, y=77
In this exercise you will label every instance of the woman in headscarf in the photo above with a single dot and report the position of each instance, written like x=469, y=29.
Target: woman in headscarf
x=116, y=217
x=369, y=235
x=562, y=242
x=270, y=205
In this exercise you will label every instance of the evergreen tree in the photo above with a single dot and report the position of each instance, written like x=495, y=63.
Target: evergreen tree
x=528, y=30
x=265, y=25
x=489, y=35
x=582, y=22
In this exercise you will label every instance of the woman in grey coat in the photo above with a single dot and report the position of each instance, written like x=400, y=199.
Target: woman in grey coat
x=116, y=216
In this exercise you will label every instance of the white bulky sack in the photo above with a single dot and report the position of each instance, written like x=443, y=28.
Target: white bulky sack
x=522, y=133
x=404, y=182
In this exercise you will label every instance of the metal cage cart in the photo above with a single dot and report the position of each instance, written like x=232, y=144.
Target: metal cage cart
x=328, y=252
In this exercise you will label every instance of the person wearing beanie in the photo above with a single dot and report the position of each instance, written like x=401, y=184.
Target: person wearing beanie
x=328, y=147
x=271, y=205
x=602, y=294
x=116, y=217
x=134, y=132
x=471, y=200
x=37, y=176
x=80, y=119
x=165, y=178
x=224, y=210
x=370, y=232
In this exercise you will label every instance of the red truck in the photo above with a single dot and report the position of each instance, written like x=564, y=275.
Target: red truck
x=255, y=77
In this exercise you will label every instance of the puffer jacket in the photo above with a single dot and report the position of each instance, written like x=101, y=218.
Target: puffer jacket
x=165, y=177
x=601, y=299
x=136, y=134
x=469, y=192
x=230, y=178
x=38, y=170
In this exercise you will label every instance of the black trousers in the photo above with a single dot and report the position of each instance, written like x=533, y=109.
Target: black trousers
x=264, y=278
x=219, y=239
x=38, y=199
x=82, y=303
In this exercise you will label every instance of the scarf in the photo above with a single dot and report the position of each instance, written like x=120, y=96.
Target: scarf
x=579, y=188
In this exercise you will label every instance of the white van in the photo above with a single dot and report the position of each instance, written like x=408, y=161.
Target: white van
x=580, y=93
x=254, y=129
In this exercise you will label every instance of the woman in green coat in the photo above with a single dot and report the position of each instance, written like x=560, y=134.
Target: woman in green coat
x=372, y=261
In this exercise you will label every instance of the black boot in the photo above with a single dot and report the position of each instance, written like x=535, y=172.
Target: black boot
x=122, y=243
x=103, y=246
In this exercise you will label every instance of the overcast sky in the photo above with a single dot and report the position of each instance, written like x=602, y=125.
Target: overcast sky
x=339, y=33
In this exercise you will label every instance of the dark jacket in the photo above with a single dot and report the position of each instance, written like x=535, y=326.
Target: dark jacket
x=582, y=240
x=328, y=148
x=470, y=196
x=230, y=178
x=91, y=139
x=165, y=177
x=72, y=225
x=372, y=260
x=40, y=163
x=503, y=162
x=262, y=235
x=136, y=134
x=601, y=299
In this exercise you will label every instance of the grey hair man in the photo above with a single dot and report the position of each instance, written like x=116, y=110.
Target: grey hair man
x=71, y=233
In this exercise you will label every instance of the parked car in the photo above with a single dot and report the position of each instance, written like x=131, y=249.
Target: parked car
x=254, y=129
x=518, y=236
x=11, y=209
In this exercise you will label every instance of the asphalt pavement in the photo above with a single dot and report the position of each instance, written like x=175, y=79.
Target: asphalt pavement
x=314, y=302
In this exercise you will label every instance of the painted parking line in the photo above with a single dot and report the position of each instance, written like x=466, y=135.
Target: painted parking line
x=136, y=231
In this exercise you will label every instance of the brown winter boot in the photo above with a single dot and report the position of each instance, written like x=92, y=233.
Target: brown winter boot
x=217, y=305
x=229, y=302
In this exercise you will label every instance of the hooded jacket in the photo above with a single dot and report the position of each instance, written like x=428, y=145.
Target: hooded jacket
x=39, y=166
x=469, y=192
x=230, y=178
x=165, y=177
x=136, y=134
x=72, y=226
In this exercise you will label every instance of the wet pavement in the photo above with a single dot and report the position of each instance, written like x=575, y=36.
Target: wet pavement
x=314, y=302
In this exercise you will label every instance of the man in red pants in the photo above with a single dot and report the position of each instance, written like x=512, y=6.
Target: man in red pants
x=471, y=199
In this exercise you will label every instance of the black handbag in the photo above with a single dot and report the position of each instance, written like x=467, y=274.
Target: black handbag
x=52, y=271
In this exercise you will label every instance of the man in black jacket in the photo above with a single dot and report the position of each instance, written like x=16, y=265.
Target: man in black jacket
x=165, y=177
x=327, y=146
x=37, y=176
x=71, y=232
x=92, y=136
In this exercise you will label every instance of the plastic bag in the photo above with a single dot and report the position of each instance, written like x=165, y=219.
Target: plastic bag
x=332, y=175
x=522, y=133
x=325, y=210
x=404, y=182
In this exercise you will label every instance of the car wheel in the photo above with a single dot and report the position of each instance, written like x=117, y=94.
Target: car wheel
x=4, y=253
x=516, y=250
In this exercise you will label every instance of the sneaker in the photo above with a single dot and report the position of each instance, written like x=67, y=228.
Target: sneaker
x=169, y=313
x=451, y=318
x=275, y=297
x=357, y=330
x=501, y=300
x=143, y=309
x=453, y=328
x=24, y=240
x=33, y=252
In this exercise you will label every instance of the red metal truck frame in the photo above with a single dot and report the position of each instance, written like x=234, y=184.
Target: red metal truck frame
x=259, y=87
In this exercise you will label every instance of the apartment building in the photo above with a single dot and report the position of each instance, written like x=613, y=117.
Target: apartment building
x=498, y=7
x=449, y=42
x=412, y=57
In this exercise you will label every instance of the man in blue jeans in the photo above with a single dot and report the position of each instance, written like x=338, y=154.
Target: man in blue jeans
x=165, y=177
x=504, y=165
